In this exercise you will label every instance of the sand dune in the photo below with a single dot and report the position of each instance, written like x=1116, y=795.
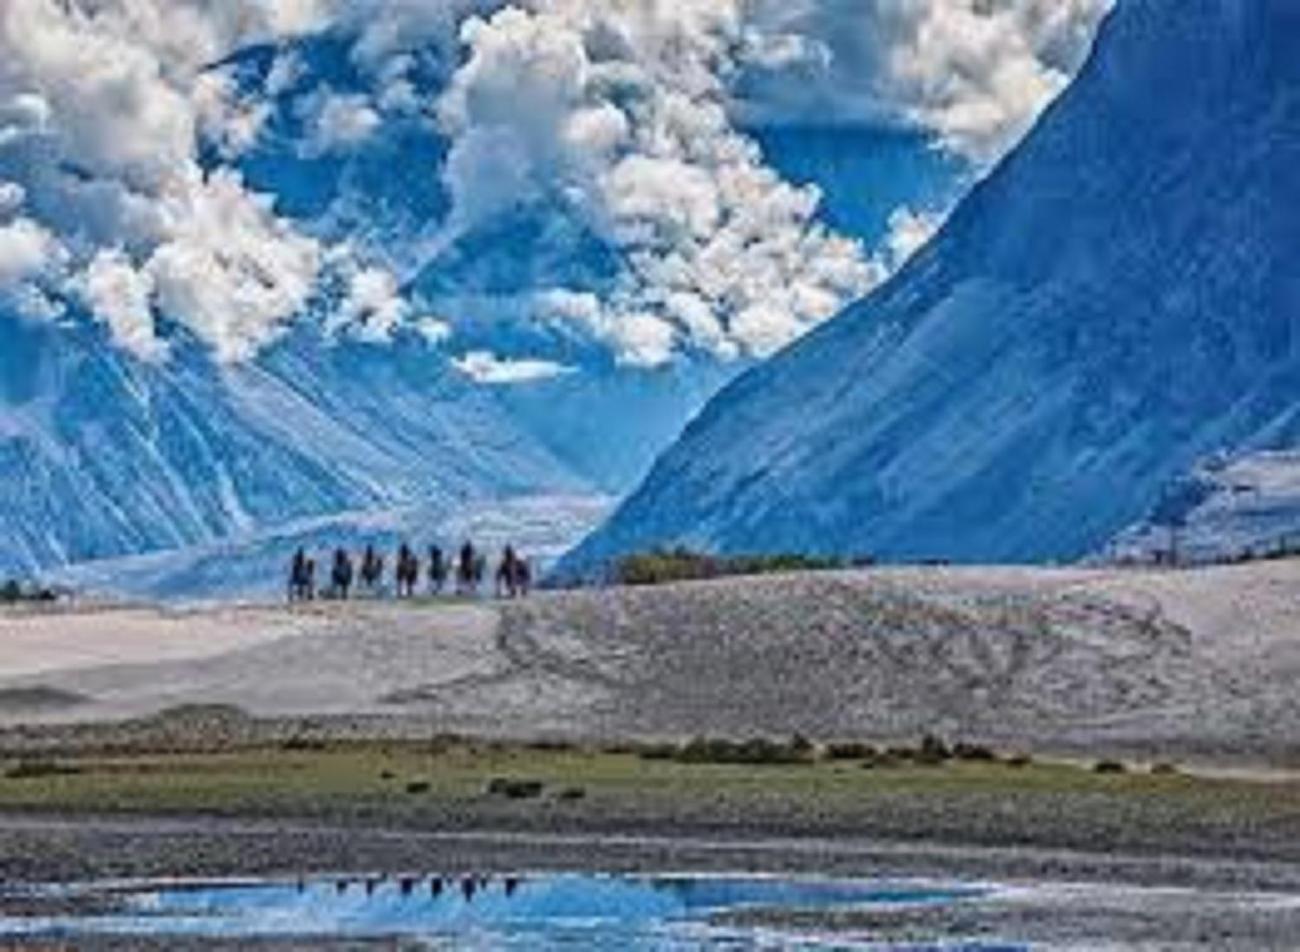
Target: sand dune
x=1161, y=664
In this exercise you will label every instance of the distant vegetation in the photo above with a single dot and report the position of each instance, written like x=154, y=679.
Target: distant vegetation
x=14, y=592
x=683, y=565
x=931, y=752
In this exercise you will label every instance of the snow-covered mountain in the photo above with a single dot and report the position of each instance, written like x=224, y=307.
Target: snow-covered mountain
x=102, y=455
x=1111, y=305
x=577, y=222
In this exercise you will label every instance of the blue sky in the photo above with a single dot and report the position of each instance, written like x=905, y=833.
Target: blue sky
x=535, y=187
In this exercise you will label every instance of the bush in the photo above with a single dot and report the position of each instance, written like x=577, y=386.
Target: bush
x=973, y=752
x=658, y=751
x=1109, y=767
x=850, y=750
x=1019, y=760
x=756, y=751
x=662, y=566
x=37, y=769
x=933, y=751
x=418, y=786
x=515, y=789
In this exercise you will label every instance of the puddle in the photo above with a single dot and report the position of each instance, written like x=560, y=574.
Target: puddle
x=525, y=912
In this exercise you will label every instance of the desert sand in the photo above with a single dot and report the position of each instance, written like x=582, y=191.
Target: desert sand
x=1161, y=664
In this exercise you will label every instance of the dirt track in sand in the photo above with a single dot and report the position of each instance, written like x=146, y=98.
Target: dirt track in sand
x=1197, y=663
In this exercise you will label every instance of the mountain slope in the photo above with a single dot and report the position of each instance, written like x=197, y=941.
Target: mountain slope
x=1228, y=508
x=1107, y=308
x=102, y=456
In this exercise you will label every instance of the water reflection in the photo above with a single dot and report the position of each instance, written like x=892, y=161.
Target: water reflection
x=471, y=911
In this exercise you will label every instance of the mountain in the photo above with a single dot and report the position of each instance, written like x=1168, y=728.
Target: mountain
x=1227, y=508
x=1108, y=307
x=102, y=455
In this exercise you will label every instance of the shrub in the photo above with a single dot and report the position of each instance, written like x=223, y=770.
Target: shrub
x=551, y=746
x=756, y=751
x=933, y=751
x=851, y=750
x=662, y=566
x=1109, y=767
x=418, y=786
x=513, y=789
x=37, y=769
x=658, y=752
x=1019, y=760
x=1164, y=770
x=973, y=752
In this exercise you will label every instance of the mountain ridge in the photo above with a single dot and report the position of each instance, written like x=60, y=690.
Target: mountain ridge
x=1025, y=386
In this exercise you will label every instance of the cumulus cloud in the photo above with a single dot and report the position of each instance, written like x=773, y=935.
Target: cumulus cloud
x=103, y=107
x=337, y=122
x=122, y=296
x=372, y=307
x=975, y=73
x=616, y=115
x=623, y=119
x=12, y=195
x=909, y=232
x=31, y=262
x=25, y=250
x=486, y=367
x=232, y=270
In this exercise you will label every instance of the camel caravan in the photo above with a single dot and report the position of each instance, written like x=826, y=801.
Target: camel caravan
x=462, y=574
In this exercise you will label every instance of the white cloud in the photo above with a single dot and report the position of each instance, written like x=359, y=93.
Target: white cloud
x=373, y=308
x=433, y=329
x=121, y=295
x=623, y=117
x=31, y=259
x=485, y=367
x=103, y=107
x=976, y=73
x=617, y=116
x=228, y=119
x=909, y=231
x=25, y=249
x=233, y=271
x=12, y=195
x=338, y=122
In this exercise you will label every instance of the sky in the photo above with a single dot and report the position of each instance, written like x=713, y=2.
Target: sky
x=527, y=185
